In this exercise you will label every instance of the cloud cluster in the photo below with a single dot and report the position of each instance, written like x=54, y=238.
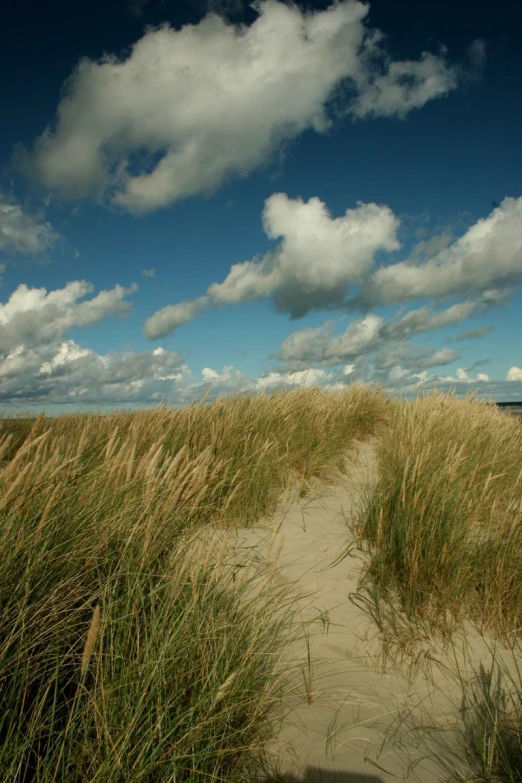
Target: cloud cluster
x=41, y=366
x=189, y=108
x=313, y=267
x=320, y=258
x=38, y=365
x=369, y=333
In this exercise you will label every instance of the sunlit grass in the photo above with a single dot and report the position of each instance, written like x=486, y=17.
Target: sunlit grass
x=443, y=533
x=128, y=651
x=444, y=523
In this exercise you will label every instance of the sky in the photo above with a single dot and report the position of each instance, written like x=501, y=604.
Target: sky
x=200, y=197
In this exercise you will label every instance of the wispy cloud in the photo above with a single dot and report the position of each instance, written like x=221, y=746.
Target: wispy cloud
x=366, y=335
x=472, y=334
x=22, y=233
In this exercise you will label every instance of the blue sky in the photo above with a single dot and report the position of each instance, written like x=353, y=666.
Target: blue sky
x=205, y=196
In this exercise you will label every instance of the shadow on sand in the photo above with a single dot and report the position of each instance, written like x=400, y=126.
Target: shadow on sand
x=316, y=775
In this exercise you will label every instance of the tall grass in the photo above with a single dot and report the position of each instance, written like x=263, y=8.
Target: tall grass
x=443, y=531
x=444, y=523
x=128, y=652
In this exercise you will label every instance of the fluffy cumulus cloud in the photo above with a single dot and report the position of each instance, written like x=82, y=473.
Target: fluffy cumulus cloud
x=313, y=267
x=22, y=233
x=514, y=374
x=489, y=254
x=34, y=317
x=189, y=108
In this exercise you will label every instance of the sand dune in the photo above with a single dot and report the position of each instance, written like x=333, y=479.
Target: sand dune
x=338, y=737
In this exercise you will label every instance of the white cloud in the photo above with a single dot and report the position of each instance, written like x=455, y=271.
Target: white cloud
x=148, y=272
x=313, y=267
x=39, y=366
x=62, y=372
x=489, y=254
x=21, y=233
x=320, y=258
x=33, y=317
x=514, y=374
x=410, y=381
x=404, y=86
x=502, y=391
x=189, y=108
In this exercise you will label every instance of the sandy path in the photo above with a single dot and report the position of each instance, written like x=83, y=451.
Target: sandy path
x=353, y=701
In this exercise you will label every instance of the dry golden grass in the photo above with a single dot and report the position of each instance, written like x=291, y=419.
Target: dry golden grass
x=130, y=651
x=130, y=648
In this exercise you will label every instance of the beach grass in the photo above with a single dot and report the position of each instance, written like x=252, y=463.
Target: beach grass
x=129, y=650
x=442, y=528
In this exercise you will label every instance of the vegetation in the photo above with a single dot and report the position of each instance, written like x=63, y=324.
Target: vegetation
x=128, y=650
x=443, y=531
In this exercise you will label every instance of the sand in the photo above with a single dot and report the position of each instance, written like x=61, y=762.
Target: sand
x=338, y=737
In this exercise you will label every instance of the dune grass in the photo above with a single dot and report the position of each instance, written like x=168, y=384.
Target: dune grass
x=131, y=651
x=128, y=649
x=443, y=533
x=444, y=523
